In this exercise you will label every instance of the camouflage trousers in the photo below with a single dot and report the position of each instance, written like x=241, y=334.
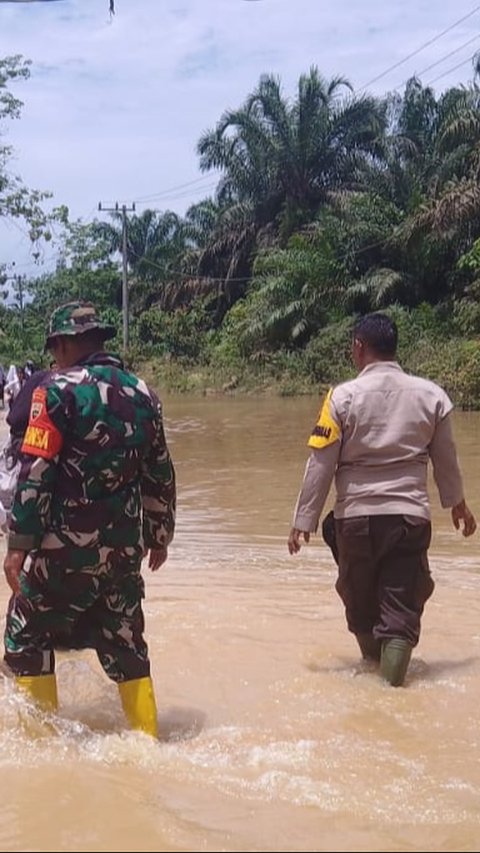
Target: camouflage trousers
x=78, y=598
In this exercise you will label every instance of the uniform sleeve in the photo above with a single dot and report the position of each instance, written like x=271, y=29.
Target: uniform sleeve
x=319, y=473
x=158, y=490
x=446, y=470
x=325, y=441
x=40, y=453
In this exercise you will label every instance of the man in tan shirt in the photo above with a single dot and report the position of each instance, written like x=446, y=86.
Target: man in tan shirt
x=375, y=435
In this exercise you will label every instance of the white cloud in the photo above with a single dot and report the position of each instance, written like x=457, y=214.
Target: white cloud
x=113, y=109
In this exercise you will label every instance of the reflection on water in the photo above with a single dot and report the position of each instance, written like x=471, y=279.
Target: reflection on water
x=274, y=735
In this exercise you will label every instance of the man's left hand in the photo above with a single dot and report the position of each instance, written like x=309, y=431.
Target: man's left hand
x=12, y=566
x=461, y=512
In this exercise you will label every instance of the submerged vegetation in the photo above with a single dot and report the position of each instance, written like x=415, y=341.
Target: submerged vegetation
x=328, y=204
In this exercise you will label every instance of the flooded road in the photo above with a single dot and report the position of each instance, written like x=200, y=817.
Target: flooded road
x=275, y=736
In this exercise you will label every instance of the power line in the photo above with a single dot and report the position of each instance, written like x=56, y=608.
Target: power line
x=146, y=204
x=188, y=194
x=350, y=254
x=423, y=71
x=174, y=189
x=418, y=49
x=446, y=56
x=213, y=279
x=168, y=194
x=451, y=70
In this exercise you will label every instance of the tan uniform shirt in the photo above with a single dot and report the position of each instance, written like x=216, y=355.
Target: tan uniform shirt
x=375, y=434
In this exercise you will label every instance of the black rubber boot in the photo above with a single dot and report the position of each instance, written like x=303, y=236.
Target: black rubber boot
x=369, y=646
x=396, y=654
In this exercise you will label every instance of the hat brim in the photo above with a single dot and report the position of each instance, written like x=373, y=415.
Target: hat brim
x=106, y=331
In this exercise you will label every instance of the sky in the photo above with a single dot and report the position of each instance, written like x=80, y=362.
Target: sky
x=115, y=104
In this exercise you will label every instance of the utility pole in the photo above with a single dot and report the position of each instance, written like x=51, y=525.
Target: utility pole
x=124, y=210
x=19, y=283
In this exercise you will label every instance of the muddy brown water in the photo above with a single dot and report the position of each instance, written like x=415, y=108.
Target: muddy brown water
x=275, y=736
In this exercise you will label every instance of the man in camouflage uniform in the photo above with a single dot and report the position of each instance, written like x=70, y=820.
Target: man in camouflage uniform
x=96, y=491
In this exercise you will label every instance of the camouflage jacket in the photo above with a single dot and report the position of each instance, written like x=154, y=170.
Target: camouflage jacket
x=96, y=470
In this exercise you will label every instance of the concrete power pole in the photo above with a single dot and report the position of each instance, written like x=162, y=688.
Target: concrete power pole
x=124, y=210
x=19, y=280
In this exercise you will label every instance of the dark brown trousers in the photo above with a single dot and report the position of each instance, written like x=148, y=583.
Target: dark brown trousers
x=383, y=576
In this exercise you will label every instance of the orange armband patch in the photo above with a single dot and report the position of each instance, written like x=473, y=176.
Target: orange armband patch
x=42, y=437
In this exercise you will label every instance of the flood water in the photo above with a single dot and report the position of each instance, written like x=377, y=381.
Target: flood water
x=275, y=736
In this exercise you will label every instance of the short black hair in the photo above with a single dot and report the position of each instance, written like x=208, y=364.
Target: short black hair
x=378, y=332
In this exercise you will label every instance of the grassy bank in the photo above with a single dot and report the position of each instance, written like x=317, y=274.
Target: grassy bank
x=454, y=363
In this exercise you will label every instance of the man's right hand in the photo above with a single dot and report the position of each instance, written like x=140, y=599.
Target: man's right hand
x=157, y=557
x=293, y=543
x=461, y=512
x=12, y=566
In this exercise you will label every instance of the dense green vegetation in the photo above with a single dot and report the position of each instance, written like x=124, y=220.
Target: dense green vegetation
x=328, y=204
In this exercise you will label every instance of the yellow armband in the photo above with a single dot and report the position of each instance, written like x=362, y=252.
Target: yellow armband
x=326, y=430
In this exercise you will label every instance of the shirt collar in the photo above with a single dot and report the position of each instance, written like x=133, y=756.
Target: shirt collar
x=383, y=366
x=102, y=358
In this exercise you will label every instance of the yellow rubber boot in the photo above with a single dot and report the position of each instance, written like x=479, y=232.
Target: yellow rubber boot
x=41, y=688
x=138, y=700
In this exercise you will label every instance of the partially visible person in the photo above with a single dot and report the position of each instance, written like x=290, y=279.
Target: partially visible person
x=14, y=384
x=17, y=421
x=3, y=379
x=29, y=368
x=19, y=412
x=375, y=435
x=96, y=492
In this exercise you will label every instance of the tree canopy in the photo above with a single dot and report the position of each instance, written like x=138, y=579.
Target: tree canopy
x=328, y=204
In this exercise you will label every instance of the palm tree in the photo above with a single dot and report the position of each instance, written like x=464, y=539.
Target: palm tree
x=280, y=160
x=429, y=172
x=272, y=150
